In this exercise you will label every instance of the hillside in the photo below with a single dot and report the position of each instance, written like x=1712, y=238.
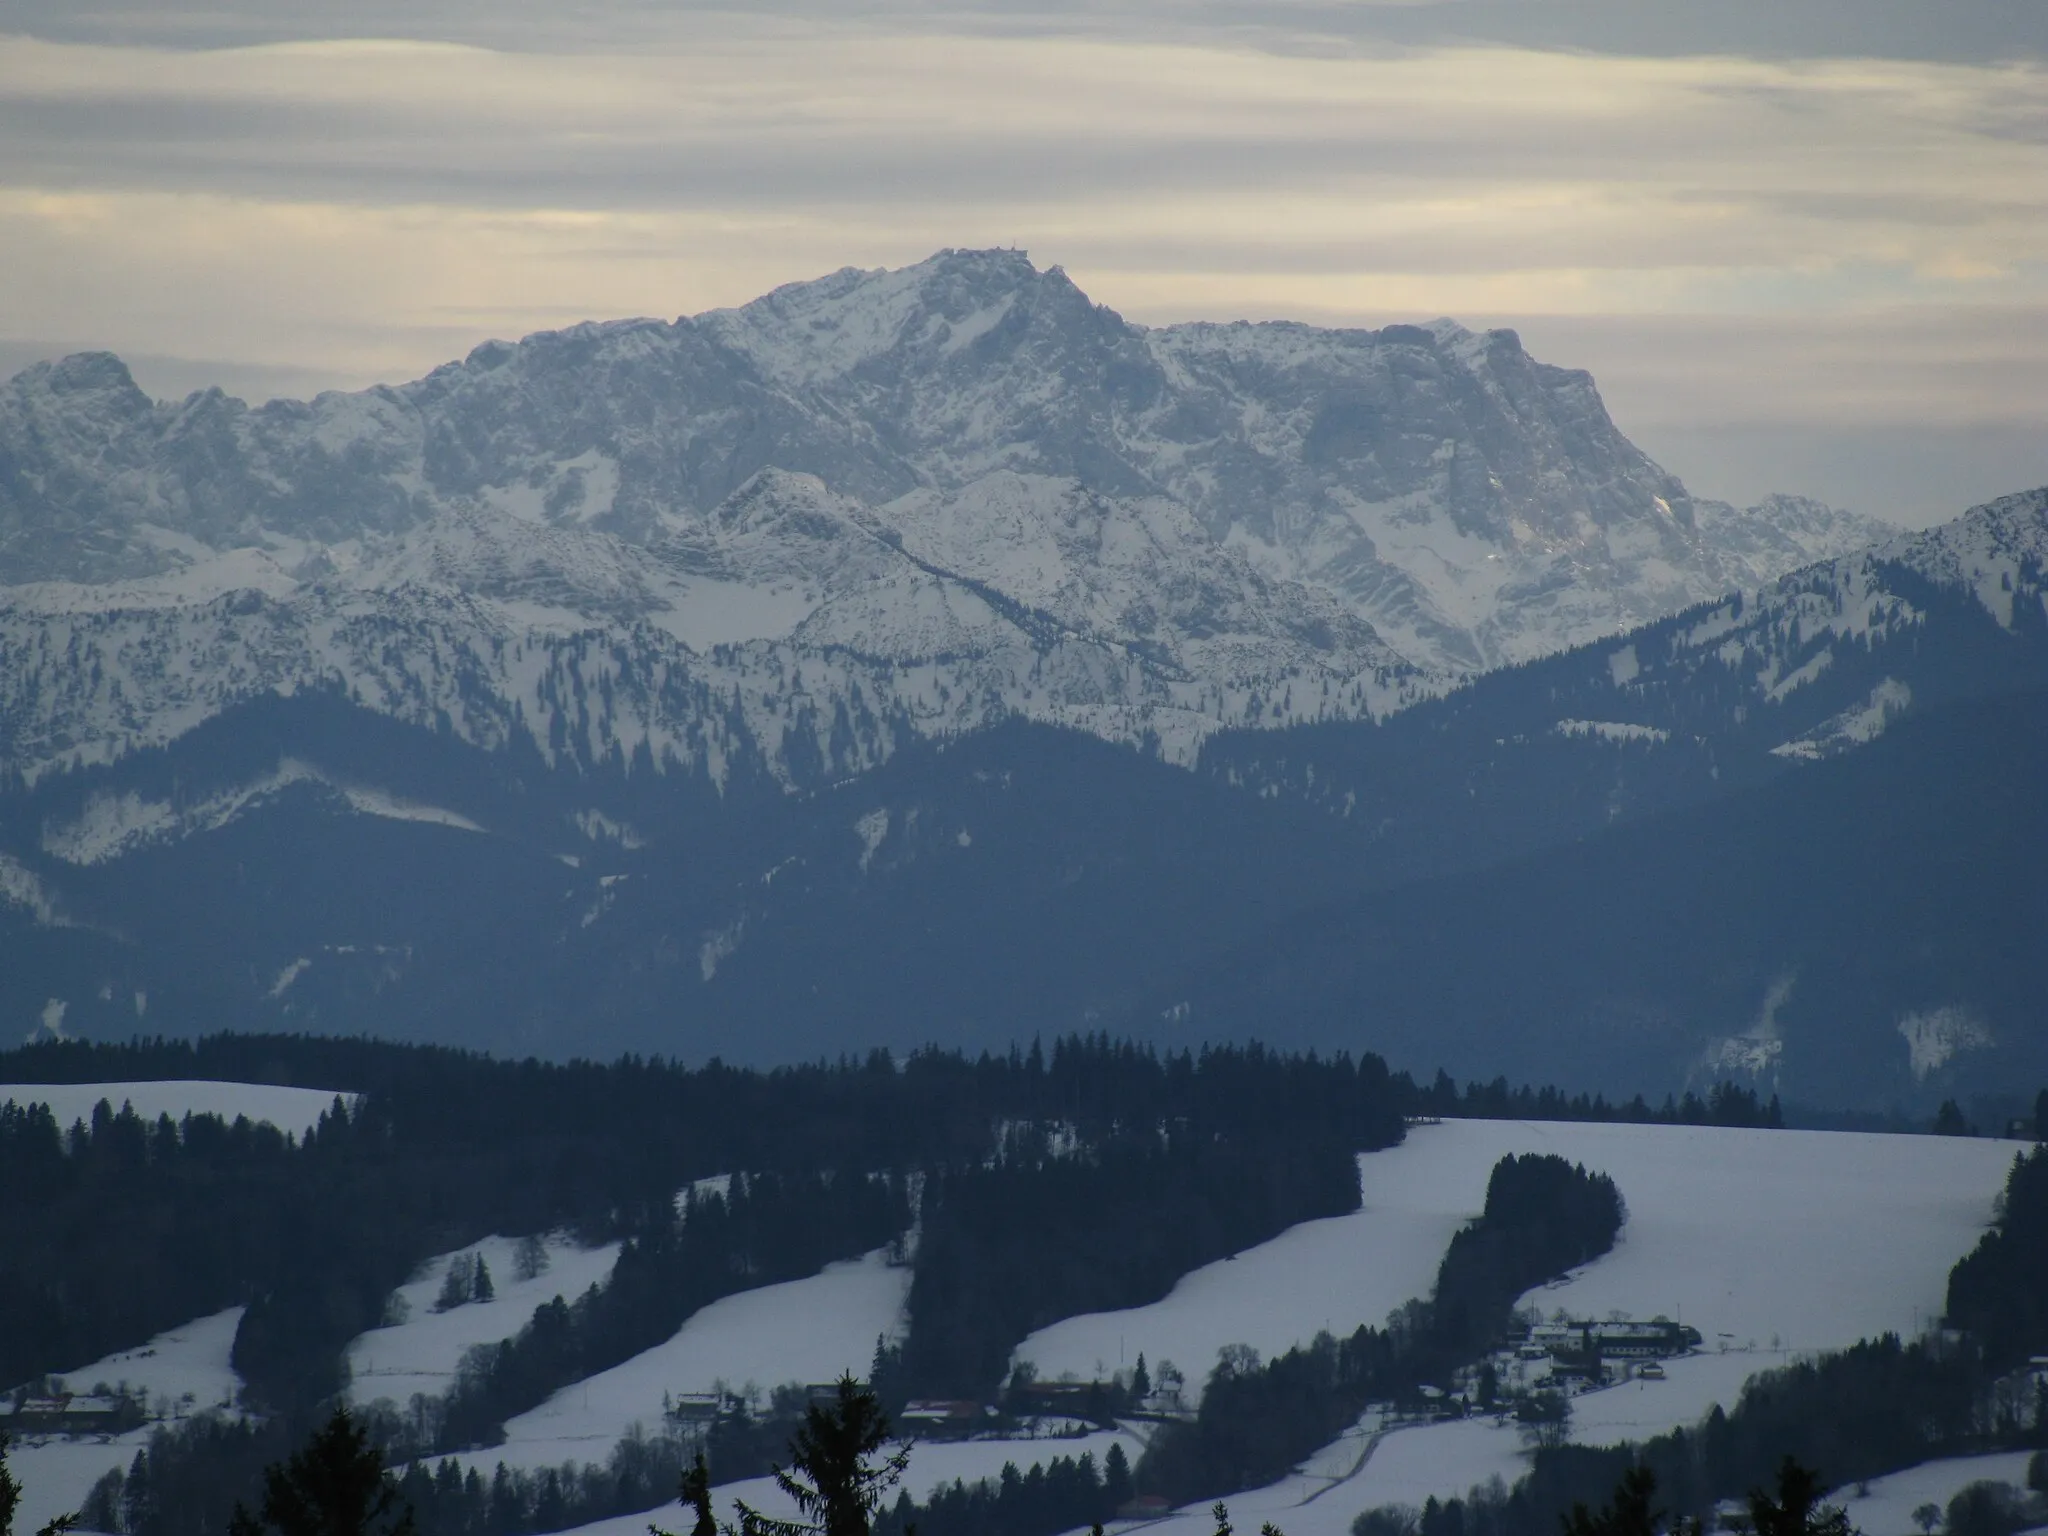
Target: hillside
x=313, y=863
x=1722, y=697
x=303, y=865
x=1860, y=932
x=1707, y=1207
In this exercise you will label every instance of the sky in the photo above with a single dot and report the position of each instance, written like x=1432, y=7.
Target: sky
x=1801, y=244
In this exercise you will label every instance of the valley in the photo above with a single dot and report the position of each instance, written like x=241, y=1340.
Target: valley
x=1882, y=1219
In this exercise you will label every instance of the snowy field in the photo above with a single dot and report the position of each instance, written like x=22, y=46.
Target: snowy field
x=421, y=1354
x=808, y=1330
x=1332, y=1274
x=931, y=1466
x=1879, y=1219
x=1708, y=1210
x=1887, y=1510
x=56, y=1474
x=295, y=1110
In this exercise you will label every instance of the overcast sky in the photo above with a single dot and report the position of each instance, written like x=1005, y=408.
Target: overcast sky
x=1803, y=244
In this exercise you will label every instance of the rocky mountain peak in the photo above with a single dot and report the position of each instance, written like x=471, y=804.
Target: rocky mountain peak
x=963, y=465
x=90, y=376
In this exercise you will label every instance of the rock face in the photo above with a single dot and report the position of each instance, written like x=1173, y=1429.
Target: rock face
x=878, y=504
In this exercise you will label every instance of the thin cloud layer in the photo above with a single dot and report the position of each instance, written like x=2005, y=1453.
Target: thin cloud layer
x=369, y=207
x=1960, y=31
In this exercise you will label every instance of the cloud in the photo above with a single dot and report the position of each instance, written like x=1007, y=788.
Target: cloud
x=1959, y=31
x=1486, y=158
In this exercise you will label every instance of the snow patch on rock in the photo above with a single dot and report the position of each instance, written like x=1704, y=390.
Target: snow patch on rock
x=21, y=887
x=872, y=830
x=111, y=825
x=1611, y=730
x=1853, y=727
x=1937, y=1036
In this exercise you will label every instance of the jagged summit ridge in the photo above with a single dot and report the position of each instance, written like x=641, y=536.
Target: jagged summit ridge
x=964, y=466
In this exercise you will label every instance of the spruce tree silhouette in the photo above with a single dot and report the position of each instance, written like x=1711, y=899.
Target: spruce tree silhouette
x=334, y=1486
x=10, y=1492
x=695, y=1494
x=1629, y=1513
x=833, y=1476
x=1220, y=1513
x=1797, y=1510
x=10, y=1501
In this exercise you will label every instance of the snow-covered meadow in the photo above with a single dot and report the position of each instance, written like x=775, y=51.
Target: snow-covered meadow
x=1771, y=1243
x=421, y=1353
x=1709, y=1211
x=1874, y=1221
x=182, y=1370
x=294, y=1110
x=809, y=1330
x=1332, y=1274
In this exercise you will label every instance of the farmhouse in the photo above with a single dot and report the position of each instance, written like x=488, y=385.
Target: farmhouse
x=696, y=1407
x=63, y=1413
x=1080, y=1399
x=956, y=1416
x=1658, y=1339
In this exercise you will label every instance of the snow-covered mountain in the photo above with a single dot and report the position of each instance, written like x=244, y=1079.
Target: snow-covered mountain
x=873, y=506
x=1823, y=658
x=1806, y=666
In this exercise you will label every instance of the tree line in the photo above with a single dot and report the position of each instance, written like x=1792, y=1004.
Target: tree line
x=1064, y=1494
x=1725, y=1104
x=1030, y=1238
x=1999, y=1290
x=120, y=1229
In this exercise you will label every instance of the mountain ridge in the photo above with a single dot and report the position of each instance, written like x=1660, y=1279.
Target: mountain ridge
x=975, y=474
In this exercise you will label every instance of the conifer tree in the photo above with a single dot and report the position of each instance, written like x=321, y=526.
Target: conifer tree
x=694, y=1495
x=334, y=1486
x=1116, y=1477
x=480, y=1287
x=1797, y=1509
x=833, y=1477
x=1629, y=1513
